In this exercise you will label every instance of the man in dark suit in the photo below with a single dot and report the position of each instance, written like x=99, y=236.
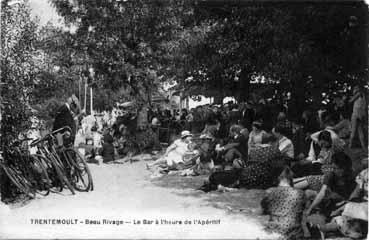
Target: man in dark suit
x=247, y=116
x=65, y=117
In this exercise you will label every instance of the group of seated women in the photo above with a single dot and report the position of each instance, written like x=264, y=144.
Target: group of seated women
x=318, y=194
x=338, y=206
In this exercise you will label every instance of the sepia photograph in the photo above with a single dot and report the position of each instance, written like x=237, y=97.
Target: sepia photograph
x=184, y=119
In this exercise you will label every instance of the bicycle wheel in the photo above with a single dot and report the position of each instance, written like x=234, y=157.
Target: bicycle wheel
x=25, y=181
x=43, y=182
x=19, y=181
x=82, y=175
x=59, y=167
x=57, y=184
x=68, y=166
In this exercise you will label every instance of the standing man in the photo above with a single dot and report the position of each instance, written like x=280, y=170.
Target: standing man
x=247, y=116
x=359, y=116
x=65, y=116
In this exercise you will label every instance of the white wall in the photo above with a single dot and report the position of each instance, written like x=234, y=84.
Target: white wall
x=203, y=101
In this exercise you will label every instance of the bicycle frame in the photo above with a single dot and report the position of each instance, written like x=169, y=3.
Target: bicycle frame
x=17, y=164
x=47, y=149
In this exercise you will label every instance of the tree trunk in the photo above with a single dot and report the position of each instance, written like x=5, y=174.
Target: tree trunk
x=297, y=105
x=218, y=99
x=244, y=85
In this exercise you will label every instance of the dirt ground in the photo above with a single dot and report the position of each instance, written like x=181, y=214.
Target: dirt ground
x=127, y=192
x=241, y=201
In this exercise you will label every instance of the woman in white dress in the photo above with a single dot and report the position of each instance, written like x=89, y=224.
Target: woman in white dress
x=256, y=135
x=174, y=155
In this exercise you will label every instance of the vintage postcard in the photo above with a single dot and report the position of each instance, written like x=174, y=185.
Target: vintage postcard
x=184, y=119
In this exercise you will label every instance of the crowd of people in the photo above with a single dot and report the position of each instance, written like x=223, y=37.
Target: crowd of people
x=302, y=162
x=312, y=187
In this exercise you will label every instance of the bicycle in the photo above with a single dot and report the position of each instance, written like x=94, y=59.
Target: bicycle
x=25, y=171
x=49, y=156
x=79, y=173
x=77, y=170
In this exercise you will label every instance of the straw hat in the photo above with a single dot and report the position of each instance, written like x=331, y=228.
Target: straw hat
x=185, y=134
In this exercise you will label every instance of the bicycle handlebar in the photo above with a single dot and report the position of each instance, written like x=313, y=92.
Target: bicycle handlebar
x=37, y=141
x=66, y=128
x=50, y=135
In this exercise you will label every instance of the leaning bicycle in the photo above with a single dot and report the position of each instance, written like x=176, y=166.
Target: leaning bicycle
x=76, y=168
x=47, y=154
x=24, y=170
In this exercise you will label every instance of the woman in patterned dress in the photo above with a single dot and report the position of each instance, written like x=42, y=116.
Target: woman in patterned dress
x=264, y=165
x=285, y=205
x=351, y=219
x=324, y=162
x=336, y=185
x=259, y=173
x=256, y=135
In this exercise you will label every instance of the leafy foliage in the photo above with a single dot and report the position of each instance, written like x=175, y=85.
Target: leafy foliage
x=126, y=42
x=307, y=49
x=209, y=48
x=19, y=63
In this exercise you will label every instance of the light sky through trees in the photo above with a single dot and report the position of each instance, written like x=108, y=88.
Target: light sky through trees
x=44, y=11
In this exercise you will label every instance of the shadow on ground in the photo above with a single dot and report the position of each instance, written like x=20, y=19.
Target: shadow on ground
x=241, y=201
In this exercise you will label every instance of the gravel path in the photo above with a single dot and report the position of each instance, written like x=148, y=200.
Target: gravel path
x=124, y=192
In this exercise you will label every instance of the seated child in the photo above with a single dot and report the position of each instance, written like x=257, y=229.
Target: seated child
x=107, y=151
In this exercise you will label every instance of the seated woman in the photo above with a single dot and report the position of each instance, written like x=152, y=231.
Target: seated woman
x=351, y=219
x=361, y=190
x=266, y=151
x=315, y=182
x=319, y=159
x=107, y=150
x=206, y=154
x=253, y=175
x=256, y=135
x=335, y=186
x=126, y=143
x=212, y=126
x=285, y=206
x=338, y=144
x=285, y=145
x=284, y=123
x=175, y=153
x=236, y=148
x=264, y=165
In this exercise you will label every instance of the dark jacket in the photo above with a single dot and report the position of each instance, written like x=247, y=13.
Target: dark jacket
x=64, y=118
x=243, y=146
x=248, y=116
x=107, y=151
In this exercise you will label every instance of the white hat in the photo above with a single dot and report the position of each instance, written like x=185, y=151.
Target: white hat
x=185, y=134
x=155, y=121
